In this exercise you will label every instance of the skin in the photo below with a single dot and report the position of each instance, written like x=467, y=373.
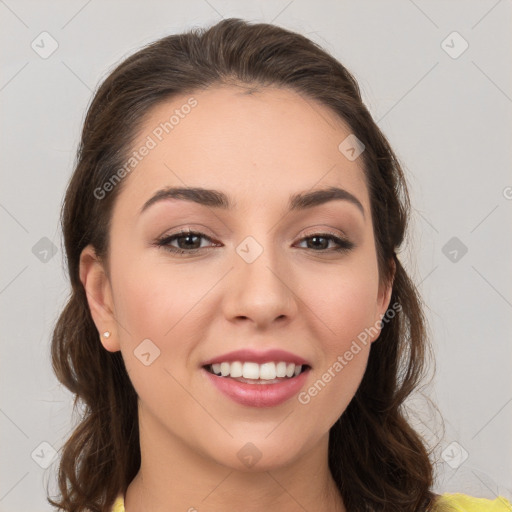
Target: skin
x=258, y=148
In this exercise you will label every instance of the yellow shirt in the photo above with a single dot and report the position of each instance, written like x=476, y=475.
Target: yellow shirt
x=458, y=502
x=464, y=503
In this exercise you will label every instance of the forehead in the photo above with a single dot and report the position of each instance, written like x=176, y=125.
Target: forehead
x=254, y=146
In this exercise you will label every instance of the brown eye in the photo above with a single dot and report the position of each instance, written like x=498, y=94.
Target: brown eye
x=319, y=242
x=189, y=242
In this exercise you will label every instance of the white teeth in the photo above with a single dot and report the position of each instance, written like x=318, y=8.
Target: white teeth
x=281, y=369
x=249, y=370
x=235, y=369
x=268, y=371
x=224, y=369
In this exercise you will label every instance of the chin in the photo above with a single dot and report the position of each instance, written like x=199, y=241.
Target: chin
x=259, y=454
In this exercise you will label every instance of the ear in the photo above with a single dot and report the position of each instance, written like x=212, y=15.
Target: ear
x=383, y=299
x=99, y=297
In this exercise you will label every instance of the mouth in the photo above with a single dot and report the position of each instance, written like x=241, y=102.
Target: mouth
x=257, y=385
x=255, y=378
x=250, y=372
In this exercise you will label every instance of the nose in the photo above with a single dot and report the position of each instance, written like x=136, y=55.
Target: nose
x=261, y=292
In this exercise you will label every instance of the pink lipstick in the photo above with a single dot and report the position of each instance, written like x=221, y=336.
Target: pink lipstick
x=257, y=378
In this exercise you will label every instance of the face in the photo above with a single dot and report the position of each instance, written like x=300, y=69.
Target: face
x=257, y=276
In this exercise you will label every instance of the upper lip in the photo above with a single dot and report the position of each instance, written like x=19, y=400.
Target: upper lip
x=256, y=356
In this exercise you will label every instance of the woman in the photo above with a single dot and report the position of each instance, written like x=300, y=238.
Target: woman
x=240, y=330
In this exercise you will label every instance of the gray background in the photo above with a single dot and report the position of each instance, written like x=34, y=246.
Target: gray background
x=447, y=116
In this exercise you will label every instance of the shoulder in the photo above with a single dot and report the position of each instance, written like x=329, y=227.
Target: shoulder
x=118, y=504
x=465, y=503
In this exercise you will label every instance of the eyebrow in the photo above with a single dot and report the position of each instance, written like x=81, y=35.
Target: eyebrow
x=218, y=199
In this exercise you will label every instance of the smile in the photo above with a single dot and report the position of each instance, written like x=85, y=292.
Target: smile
x=266, y=391
x=252, y=372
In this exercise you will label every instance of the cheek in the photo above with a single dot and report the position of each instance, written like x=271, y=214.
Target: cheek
x=344, y=305
x=153, y=303
x=344, y=302
x=153, y=313
x=151, y=299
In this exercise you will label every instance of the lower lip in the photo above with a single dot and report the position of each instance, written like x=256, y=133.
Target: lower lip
x=258, y=395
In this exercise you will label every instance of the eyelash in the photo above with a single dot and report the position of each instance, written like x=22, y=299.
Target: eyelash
x=343, y=244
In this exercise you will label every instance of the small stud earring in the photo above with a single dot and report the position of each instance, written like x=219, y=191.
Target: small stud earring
x=106, y=334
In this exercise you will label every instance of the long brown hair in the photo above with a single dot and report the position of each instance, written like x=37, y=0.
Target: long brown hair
x=378, y=460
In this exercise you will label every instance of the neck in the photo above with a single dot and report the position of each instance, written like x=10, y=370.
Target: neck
x=174, y=476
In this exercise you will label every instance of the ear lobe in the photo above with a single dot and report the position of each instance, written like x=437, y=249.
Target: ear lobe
x=385, y=294
x=384, y=298
x=99, y=297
